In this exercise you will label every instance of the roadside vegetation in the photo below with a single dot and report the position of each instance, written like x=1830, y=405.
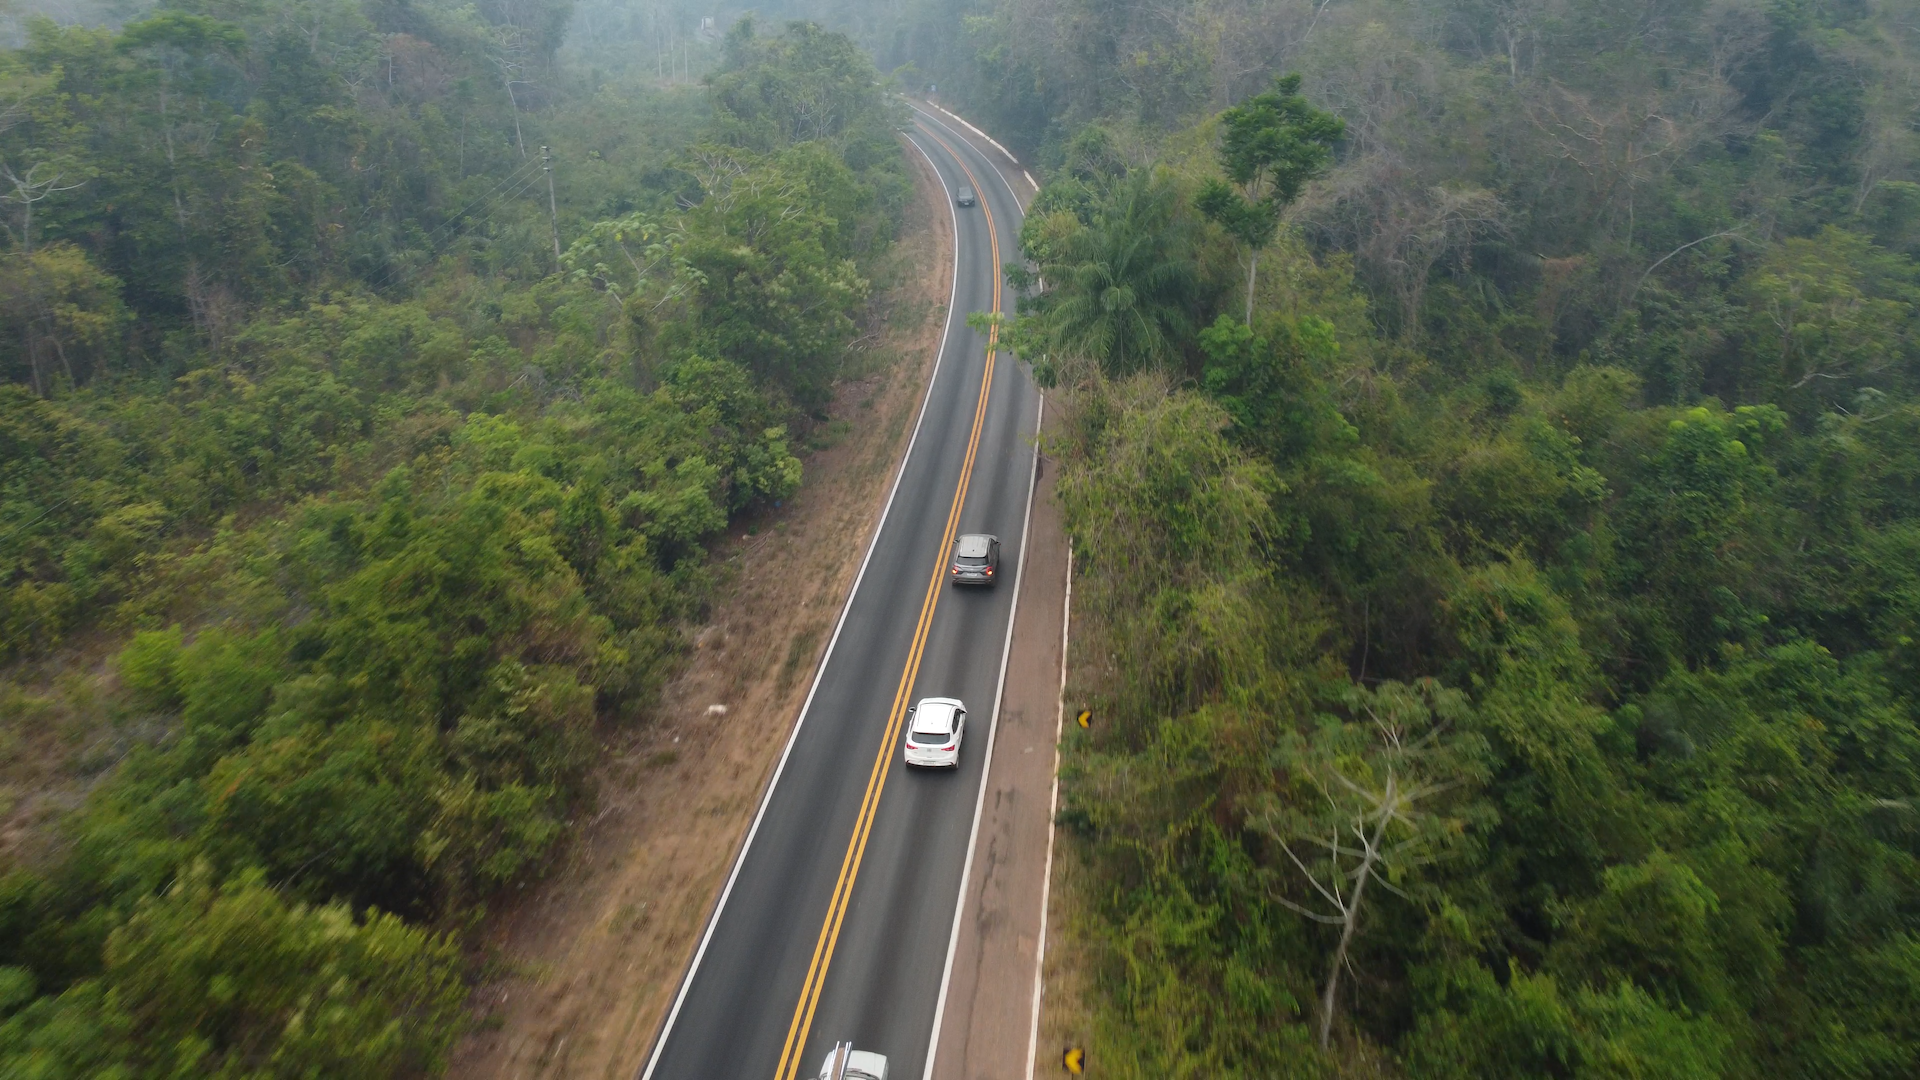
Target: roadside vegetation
x=1499, y=621
x=352, y=484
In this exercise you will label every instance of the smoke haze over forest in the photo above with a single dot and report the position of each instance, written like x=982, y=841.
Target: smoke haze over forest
x=1489, y=435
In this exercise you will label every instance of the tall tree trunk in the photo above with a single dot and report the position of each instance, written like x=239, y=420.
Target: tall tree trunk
x=61, y=351
x=1352, y=921
x=515, y=102
x=33, y=359
x=553, y=207
x=173, y=166
x=1328, y=996
x=1253, y=264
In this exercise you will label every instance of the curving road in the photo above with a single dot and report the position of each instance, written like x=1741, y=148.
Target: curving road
x=836, y=921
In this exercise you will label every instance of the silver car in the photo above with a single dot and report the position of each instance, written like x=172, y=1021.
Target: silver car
x=934, y=730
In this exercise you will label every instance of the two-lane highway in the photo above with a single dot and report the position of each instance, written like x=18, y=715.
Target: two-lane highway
x=835, y=921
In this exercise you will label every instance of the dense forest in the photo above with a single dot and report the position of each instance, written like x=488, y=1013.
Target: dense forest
x=1491, y=442
x=372, y=378
x=1491, y=462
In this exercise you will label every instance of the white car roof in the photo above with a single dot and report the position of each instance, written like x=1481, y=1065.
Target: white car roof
x=935, y=715
x=972, y=546
x=857, y=1064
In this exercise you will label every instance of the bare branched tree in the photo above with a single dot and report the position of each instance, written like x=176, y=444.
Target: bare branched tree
x=40, y=183
x=30, y=189
x=1373, y=781
x=1400, y=232
x=1621, y=142
x=512, y=54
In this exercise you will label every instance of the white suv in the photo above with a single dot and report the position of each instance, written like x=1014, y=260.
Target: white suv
x=934, y=730
x=846, y=1063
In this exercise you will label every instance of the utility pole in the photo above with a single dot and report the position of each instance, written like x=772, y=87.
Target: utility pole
x=553, y=207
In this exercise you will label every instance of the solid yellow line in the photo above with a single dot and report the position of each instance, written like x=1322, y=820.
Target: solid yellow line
x=842, y=886
x=794, y=1047
x=882, y=767
x=865, y=827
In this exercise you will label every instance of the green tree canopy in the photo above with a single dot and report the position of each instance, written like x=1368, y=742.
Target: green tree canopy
x=1270, y=145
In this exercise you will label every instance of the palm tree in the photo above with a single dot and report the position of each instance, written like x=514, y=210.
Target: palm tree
x=1123, y=289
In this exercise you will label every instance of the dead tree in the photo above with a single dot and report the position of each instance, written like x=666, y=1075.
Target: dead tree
x=28, y=190
x=1372, y=781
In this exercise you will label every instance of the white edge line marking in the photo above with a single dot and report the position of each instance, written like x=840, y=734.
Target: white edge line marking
x=986, y=772
x=766, y=797
x=1053, y=810
x=976, y=131
x=1030, y=179
x=992, y=168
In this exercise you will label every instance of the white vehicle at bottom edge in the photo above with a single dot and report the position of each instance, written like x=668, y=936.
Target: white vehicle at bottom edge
x=846, y=1063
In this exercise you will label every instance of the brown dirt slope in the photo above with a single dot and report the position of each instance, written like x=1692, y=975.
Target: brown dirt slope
x=589, y=963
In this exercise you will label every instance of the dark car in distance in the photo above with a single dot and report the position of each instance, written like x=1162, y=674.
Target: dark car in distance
x=965, y=198
x=976, y=558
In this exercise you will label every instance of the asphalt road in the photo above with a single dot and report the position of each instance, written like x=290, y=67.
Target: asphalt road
x=836, y=921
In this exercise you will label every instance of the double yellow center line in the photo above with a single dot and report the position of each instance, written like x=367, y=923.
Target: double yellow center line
x=795, y=1046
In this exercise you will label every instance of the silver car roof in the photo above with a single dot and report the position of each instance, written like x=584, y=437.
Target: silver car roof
x=972, y=546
